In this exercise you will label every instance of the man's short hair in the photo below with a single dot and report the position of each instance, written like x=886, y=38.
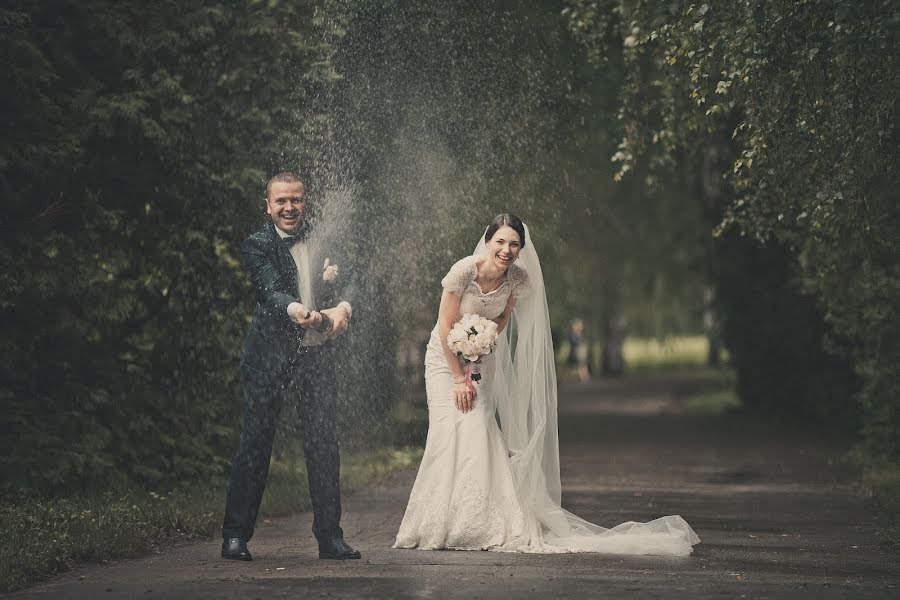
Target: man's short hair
x=286, y=177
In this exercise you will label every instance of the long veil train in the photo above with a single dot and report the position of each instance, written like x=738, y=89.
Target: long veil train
x=524, y=386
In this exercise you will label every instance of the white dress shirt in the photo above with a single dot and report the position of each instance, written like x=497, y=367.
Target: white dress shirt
x=300, y=253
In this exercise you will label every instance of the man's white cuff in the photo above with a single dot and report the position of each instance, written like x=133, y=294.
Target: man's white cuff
x=347, y=307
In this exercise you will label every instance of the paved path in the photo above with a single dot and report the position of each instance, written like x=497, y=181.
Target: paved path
x=774, y=507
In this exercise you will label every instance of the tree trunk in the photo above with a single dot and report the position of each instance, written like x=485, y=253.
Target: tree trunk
x=613, y=358
x=711, y=189
x=711, y=328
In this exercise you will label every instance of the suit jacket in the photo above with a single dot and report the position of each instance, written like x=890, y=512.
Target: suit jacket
x=274, y=337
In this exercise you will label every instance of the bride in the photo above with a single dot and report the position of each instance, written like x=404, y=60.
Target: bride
x=489, y=478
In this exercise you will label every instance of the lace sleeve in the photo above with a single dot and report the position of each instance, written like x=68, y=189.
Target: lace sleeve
x=460, y=276
x=518, y=279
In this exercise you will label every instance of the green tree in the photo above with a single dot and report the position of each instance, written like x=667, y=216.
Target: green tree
x=448, y=113
x=138, y=141
x=804, y=95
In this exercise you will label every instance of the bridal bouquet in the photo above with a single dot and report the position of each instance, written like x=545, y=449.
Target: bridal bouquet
x=473, y=337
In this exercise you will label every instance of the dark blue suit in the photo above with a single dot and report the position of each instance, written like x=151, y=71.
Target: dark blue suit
x=275, y=366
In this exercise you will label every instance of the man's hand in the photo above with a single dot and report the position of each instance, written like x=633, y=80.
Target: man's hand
x=303, y=316
x=340, y=319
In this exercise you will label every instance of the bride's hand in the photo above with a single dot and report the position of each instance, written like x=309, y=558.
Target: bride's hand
x=464, y=396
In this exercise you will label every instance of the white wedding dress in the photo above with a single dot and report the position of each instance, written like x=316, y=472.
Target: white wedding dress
x=488, y=486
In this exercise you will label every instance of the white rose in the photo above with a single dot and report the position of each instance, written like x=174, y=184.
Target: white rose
x=484, y=341
x=456, y=336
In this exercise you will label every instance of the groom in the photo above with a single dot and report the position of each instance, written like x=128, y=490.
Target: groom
x=289, y=353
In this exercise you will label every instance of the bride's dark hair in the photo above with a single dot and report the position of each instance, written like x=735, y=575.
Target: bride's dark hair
x=505, y=220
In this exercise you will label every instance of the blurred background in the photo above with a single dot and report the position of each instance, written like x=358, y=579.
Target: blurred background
x=711, y=189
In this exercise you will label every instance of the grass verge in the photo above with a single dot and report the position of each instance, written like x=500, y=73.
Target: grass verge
x=674, y=354
x=715, y=402
x=882, y=479
x=670, y=353
x=43, y=537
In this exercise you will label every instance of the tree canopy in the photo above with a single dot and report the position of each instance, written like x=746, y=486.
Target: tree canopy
x=798, y=101
x=655, y=150
x=138, y=141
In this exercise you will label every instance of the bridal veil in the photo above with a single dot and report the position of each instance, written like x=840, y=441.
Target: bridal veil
x=524, y=385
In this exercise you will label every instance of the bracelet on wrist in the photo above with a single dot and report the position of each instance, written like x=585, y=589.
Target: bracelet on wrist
x=458, y=381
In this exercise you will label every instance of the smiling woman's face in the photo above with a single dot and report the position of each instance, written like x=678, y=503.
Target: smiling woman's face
x=504, y=247
x=286, y=205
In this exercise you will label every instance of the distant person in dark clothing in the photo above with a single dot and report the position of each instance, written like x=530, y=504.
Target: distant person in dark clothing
x=577, y=359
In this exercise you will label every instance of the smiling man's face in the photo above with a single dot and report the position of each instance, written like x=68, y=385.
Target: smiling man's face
x=286, y=204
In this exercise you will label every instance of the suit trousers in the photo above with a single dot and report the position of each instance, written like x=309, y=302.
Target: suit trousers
x=309, y=381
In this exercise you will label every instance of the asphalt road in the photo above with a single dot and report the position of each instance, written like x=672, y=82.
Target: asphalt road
x=775, y=509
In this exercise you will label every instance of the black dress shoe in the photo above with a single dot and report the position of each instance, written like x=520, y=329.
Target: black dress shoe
x=235, y=549
x=337, y=549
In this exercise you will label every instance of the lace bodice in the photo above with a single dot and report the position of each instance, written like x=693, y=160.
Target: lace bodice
x=461, y=280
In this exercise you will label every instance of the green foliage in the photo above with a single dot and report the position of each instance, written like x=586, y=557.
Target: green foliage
x=671, y=353
x=801, y=98
x=138, y=142
x=448, y=113
x=882, y=478
x=775, y=337
x=48, y=536
x=712, y=403
x=434, y=123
